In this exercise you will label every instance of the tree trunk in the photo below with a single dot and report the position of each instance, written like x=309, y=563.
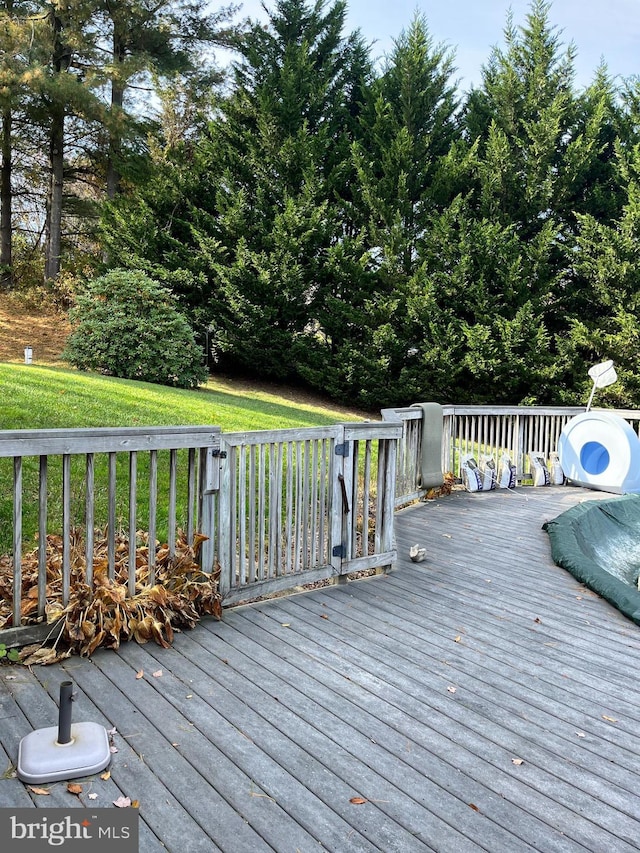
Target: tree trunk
x=53, y=230
x=117, y=100
x=6, y=259
x=54, y=198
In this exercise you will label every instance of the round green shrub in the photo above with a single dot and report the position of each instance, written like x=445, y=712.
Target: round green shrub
x=128, y=325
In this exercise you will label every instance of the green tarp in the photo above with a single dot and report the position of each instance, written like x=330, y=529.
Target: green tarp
x=599, y=543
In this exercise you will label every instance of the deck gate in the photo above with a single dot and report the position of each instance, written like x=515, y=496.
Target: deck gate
x=300, y=506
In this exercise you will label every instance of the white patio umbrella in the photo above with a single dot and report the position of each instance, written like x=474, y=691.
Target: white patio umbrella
x=603, y=374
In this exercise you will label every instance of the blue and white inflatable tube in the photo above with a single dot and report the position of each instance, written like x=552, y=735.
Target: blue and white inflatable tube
x=601, y=451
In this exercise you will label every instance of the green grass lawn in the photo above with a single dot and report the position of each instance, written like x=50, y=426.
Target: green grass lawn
x=35, y=397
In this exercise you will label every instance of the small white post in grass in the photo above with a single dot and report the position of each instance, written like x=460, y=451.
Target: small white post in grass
x=28, y=355
x=603, y=374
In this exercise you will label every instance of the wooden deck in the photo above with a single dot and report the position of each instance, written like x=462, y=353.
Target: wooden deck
x=480, y=700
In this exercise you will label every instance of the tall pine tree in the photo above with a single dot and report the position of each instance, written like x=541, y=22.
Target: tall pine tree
x=279, y=160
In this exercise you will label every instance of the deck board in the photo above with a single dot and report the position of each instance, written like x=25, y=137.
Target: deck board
x=414, y=691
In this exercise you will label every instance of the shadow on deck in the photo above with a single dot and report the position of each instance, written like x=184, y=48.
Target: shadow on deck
x=480, y=700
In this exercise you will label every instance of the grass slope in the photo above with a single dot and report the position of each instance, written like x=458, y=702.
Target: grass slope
x=34, y=397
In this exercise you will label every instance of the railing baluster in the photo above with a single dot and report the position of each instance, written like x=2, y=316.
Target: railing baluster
x=387, y=487
x=288, y=524
x=153, y=514
x=306, y=496
x=17, y=541
x=111, y=524
x=352, y=463
x=313, y=532
x=89, y=503
x=276, y=534
x=261, y=512
x=42, y=535
x=252, y=514
x=365, y=499
x=173, y=488
x=66, y=528
x=191, y=494
x=133, y=497
x=272, y=512
x=242, y=515
x=380, y=498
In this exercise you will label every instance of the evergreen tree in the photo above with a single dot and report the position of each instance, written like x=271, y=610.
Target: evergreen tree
x=544, y=157
x=365, y=236
x=408, y=126
x=271, y=214
x=18, y=71
x=11, y=71
x=607, y=259
x=154, y=38
x=59, y=91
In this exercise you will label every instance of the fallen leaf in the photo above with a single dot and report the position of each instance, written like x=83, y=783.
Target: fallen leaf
x=358, y=801
x=581, y=734
x=474, y=807
x=517, y=761
x=140, y=673
x=112, y=731
x=106, y=775
x=451, y=689
x=135, y=804
x=44, y=656
x=42, y=791
x=93, y=796
x=538, y=620
x=113, y=749
x=74, y=788
x=609, y=719
x=457, y=639
x=10, y=677
x=157, y=673
x=286, y=625
x=447, y=535
x=122, y=802
x=323, y=616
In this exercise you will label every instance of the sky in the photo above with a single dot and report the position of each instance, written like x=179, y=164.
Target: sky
x=598, y=28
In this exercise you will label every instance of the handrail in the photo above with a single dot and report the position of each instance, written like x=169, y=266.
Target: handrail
x=484, y=430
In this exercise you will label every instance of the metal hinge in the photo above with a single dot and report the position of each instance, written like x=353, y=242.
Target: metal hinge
x=339, y=551
x=219, y=454
x=342, y=449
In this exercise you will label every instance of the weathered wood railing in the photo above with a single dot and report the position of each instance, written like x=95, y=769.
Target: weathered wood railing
x=483, y=430
x=305, y=505
x=55, y=488
x=279, y=509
